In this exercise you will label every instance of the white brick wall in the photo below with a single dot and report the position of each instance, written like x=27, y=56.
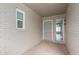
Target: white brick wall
x=72, y=28
x=13, y=41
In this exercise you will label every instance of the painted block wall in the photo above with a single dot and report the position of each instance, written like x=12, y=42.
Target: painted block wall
x=72, y=28
x=15, y=41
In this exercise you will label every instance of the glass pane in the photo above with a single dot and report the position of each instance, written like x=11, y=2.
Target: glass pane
x=59, y=31
x=19, y=24
x=58, y=28
x=19, y=15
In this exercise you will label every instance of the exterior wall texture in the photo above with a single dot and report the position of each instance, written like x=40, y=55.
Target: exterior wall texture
x=16, y=41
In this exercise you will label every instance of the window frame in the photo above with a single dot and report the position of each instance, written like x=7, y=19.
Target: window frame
x=23, y=24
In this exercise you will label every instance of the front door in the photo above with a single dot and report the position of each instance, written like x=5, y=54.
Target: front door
x=48, y=28
x=59, y=31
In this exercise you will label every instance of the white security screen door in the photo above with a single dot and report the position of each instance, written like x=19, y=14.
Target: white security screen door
x=48, y=30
